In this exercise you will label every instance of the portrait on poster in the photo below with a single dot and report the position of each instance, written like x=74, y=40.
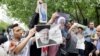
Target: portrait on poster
x=43, y=38
x=43, y=13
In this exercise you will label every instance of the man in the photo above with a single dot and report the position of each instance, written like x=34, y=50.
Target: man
x=44, y=38
x=97, y=43
x=62, y=48
x=80, y=41
x=90, y=31
x=71, y=41
x=97, y=52
x=18, y=46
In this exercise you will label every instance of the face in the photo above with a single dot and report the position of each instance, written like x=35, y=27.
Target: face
x=75, y=29
x=91, y=25
x=17, y=32
x=62, y=21
x=98, y=31
x=44, y=36
x=68, y=25
x=80, y=30
x=72, y=22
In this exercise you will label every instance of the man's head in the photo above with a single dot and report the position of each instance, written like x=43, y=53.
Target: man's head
x=68, y=24
x=98, y=30
x=91, y=24
x=44, y=36
x=72, y=22
x=17, y=31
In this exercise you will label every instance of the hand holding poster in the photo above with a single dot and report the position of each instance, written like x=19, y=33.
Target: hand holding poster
x=47, y=36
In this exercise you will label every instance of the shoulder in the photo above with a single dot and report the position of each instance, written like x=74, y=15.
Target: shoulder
x=87, y=29
x=95, y=29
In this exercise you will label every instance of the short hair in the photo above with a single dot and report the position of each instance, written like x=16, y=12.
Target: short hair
x=14, y=25
x=67, y=21
x=11, y=27
x=81, y=28
x=72, y=20
x=91, y=22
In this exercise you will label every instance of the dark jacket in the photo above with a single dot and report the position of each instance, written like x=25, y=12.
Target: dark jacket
x=34, y=51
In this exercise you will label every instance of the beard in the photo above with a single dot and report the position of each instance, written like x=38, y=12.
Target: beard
x=44, y=41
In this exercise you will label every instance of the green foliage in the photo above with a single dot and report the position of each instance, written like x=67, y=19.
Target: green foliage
x=21, y=8
x=3, y=25
x=80, y=9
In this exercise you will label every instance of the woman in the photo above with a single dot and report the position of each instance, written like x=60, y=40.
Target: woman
x=80, y=41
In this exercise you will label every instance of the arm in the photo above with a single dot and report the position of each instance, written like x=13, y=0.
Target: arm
x=35, y=17
x=18, y=48
x=54, y=16
x=91, y=53
x=73, y=26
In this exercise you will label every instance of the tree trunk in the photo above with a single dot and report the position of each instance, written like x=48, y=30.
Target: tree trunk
x=80, y=10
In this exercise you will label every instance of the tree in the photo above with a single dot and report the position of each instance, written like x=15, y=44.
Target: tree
x=78, y=9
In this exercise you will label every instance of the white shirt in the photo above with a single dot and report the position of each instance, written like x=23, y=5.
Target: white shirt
x=80, y=42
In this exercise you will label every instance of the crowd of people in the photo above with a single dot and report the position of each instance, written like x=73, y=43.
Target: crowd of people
x=78, y=39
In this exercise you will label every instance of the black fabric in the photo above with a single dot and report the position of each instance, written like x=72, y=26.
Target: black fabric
x=81, y=52
x=34, y=20
x=34, y=51
x=72, y=54
x=3, y=38
x=88, y=48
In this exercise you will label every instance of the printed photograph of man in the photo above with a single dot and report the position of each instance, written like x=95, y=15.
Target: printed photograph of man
x=43, y=13
x=42, y=38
